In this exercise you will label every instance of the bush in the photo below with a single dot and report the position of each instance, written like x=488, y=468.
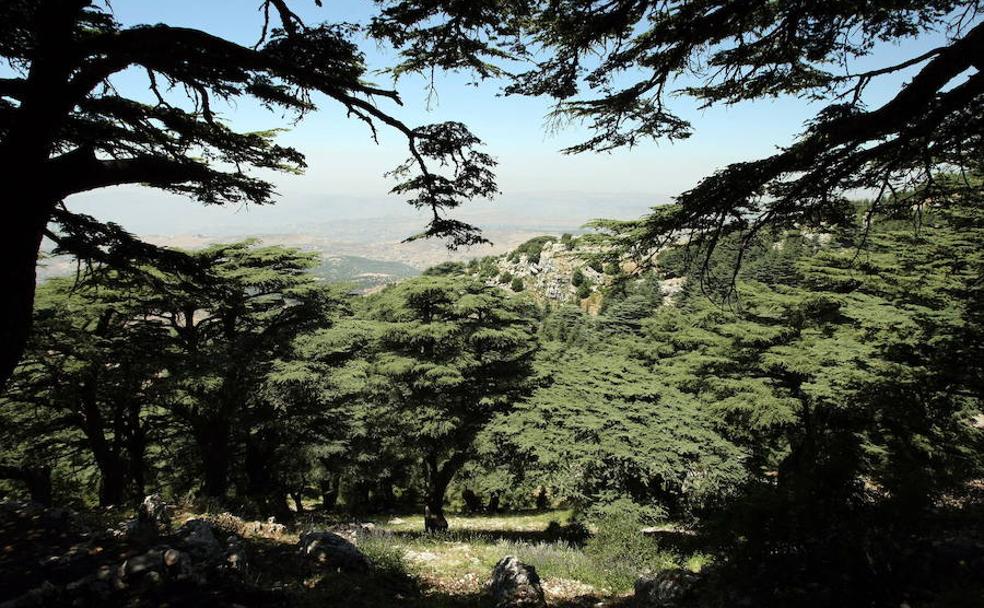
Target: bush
x=387, y=557
x=574, y=533
x=517, y=284
x=531, y=249
x=505, y=277
x=621, y=549
x=584, y=291
x=577, y=279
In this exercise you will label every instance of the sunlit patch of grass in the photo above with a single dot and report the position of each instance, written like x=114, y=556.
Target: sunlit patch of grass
x=533, y=521
x=461, y=560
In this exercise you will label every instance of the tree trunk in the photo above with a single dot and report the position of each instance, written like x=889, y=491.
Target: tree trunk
x=329, y=492
x=213, y=442
x=298, y=498
x=20, y=241
x=24, y=153
x=438, y=479
x=112, y=481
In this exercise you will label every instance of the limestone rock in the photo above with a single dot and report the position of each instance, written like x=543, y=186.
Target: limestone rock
x=516, y=585
x=153, y=519
x=156, y=510
x=333, y=551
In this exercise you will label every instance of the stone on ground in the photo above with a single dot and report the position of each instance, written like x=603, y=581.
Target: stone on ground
x=667, y=589
x=516, y=585
x=333, y=551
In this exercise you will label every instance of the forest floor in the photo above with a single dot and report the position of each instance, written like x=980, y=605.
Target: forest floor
x=409, y=568
x=452, y=569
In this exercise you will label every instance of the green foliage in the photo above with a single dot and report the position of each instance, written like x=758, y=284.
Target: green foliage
x=577, y=278
x=453, y=353
x=505, y=277
x=605, y=428
x=620, y=548
x=517, y=284
x=531, y=249
x=446, y=268
x=618, y=68
x=487, y=268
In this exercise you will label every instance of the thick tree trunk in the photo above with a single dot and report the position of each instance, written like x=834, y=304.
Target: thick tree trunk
x=439, y=477
x=112, y=481
x=213, y=443
x=24, y=152
x=20, y=241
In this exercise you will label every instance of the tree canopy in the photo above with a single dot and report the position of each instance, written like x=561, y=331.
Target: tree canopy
x=65, y=128
x=617, y=66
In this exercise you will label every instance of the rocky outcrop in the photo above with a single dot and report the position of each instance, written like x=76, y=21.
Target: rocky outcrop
x=666, y=589
x=549, y=279
x=515, y=585
x=549, y=276
x=236, y=525
x=333, y=551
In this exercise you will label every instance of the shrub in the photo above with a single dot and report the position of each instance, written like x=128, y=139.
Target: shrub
x=620, y=548
x=532, y=249
x=387, y=557
x=577, y=279
x=517, y=284
x=505, y=277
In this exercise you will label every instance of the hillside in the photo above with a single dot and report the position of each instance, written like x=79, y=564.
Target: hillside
x=567, y=270
x=364, y=273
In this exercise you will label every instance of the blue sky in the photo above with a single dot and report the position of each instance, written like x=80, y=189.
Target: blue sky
x=345, y=178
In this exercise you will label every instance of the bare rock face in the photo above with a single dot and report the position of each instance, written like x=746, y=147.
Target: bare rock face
x=516, y=585
x=333, y=551
x=667, y=589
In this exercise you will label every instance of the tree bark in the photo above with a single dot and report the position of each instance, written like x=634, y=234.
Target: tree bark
x=329, y=492
x=20, y=242
x=439, y=477
x=112, y=480
x=23, y=156
x=213, y=442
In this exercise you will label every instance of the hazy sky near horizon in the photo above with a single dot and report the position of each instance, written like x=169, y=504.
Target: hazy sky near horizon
x=345, y=176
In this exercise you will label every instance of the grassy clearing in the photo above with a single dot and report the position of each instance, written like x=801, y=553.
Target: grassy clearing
x=533, y=521
x=460, y=561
